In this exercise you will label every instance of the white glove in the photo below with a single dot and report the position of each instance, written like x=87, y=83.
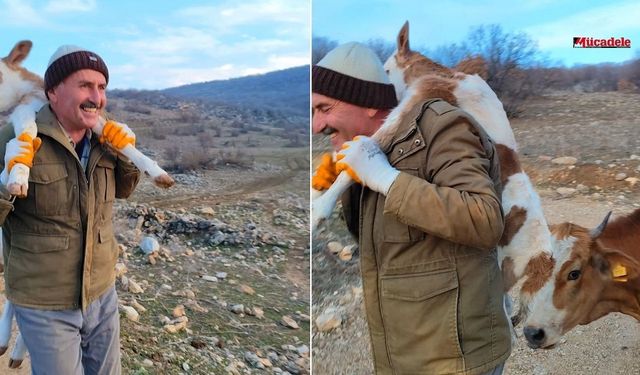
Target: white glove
x=365, y=162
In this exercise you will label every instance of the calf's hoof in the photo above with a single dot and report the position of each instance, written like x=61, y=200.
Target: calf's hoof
x=15, y=363
x=164, y=181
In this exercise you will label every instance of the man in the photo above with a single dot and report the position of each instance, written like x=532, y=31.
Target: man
x=427, y=216
x=59, y=246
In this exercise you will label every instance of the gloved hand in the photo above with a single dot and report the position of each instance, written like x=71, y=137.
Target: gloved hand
x=118, y=135
x=21, y=150
x=363, y=160
x=326, y=173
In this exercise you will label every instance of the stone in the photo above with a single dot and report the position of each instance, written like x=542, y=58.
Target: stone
x=136, y=305
x=258, y=312
x=175, y=328
x=178, y=311
x=620, y=176
x=346, y=253
x=632, y=180
x=565, y=160
x=237, y=309
x=130, y=313
x=334, y=247
x=209, y=278
x=121, y=269
x=208, y=211
x=221, y=275
x=134, y=287
x=566, y=192
x=583, y=189
x=287, y=321
x=246, y=289
x=149, y=244
x=147, y=362
x=328, y=320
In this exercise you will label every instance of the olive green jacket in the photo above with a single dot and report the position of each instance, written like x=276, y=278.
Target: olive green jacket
x=59, y=246
x=432, y=287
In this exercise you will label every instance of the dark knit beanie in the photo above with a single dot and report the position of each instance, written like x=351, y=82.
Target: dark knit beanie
x=68, y=60
x=353, y=73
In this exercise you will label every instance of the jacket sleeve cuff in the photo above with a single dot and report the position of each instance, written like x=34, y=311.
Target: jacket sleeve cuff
x=396, y=194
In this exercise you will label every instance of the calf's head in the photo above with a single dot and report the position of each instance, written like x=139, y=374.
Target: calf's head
x=585, y=284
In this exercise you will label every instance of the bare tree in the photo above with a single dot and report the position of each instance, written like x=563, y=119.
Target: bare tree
x=320, y=46
x=382, y=48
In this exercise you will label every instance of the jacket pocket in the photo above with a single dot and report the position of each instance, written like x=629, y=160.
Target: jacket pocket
x=419, y=313
x=106, y=186
x=50, y=188
x=6, y=206
x=40, y=265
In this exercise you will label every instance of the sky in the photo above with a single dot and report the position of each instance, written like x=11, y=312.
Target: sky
x=164, y=43
x=551, y=23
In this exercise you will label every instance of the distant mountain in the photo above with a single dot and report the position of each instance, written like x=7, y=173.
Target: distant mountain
x=285, y=91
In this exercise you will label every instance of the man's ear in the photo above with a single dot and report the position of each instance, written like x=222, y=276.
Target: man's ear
x=372, y=112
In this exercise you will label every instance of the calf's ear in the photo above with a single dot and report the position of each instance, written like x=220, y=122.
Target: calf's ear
x=19, y=52
x=616, y=265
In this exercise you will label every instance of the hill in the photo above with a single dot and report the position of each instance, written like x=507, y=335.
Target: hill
x=285, y=91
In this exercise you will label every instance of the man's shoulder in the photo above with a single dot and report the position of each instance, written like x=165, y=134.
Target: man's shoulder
x=434, y=113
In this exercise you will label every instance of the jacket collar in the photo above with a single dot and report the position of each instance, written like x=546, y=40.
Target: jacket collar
x=48, y=125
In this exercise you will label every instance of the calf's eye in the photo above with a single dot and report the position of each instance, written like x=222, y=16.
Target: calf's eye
x=573, y=275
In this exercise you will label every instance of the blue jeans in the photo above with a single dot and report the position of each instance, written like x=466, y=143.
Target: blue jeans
x=73, y=342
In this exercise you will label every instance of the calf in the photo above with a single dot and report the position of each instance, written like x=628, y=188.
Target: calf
x=591, y=274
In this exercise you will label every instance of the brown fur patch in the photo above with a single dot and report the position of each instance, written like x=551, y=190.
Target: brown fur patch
x=512, y=223
x=508, y=274
x=474, y=65
x=623, y=234
x=28, y=76
x=509, y=162
x=433, y=86
x=0, y=77
x=537, y=272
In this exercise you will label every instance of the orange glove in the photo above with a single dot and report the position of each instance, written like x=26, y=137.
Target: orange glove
x=341, y=166
x=326, y=173
x=118, y=135
x=22, y=151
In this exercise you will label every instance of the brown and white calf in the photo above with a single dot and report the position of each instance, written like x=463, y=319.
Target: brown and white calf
x=526, y=239
x=591, y=274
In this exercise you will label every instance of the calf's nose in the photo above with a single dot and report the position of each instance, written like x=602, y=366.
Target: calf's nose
x=535, y=336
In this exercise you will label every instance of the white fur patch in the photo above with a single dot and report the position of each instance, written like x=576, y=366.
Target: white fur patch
x=476, y=97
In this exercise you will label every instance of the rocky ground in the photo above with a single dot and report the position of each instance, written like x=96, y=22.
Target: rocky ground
x=597, y=135
x=213, y=274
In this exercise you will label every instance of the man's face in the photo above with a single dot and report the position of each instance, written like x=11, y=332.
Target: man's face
x=340, y=120
x=79, y=99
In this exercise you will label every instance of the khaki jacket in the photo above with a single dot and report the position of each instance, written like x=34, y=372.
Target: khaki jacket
x=432, y=287
x=59, y=246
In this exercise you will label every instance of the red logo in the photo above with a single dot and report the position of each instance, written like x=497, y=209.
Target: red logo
x=588, y=42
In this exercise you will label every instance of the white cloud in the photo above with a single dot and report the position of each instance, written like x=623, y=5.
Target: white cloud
x=20, y=13
x=604, y=22
x=235, y=14
x=64, y=6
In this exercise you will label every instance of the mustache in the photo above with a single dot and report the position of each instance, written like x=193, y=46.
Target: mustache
x=328, y=130
x=89, y=104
